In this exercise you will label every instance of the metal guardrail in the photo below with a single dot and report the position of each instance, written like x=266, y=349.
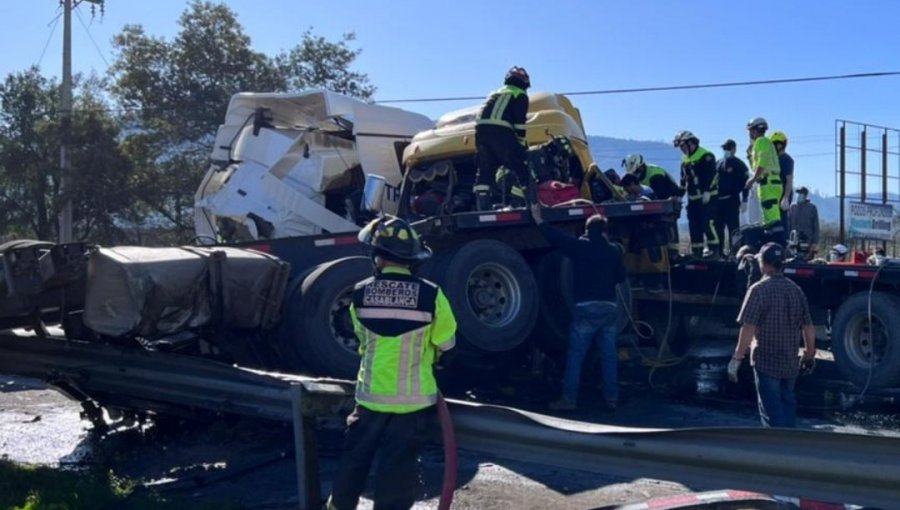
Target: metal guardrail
x=857, y=469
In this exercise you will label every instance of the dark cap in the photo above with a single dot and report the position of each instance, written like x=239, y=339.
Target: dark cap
x=771, y=254
x=803, y=189
x=729, y=144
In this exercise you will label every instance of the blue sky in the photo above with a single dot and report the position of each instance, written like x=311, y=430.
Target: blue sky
x=414, y=49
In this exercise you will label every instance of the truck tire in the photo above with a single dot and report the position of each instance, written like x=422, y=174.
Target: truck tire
x=554, y=276
x=868, y=356
x=319, y=333
x=493, y=293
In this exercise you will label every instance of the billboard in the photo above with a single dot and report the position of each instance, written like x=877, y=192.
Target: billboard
x=872, y=221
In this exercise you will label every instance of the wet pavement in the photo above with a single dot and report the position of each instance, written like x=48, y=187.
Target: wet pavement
x=250, y=462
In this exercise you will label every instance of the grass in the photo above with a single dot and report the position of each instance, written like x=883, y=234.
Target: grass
x=25, y=487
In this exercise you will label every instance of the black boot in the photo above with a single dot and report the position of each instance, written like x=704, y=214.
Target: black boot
x=483, y=202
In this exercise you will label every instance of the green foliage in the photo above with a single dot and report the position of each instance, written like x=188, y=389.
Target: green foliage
x=30, y=194
x=177, y=93
x=43, y=488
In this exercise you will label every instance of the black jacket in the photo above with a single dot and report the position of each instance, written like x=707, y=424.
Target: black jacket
x=596, y=264
x=733, y=176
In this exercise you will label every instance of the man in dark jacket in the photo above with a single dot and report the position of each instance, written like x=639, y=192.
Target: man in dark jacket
x=733, y=174
x=500, y=139
x=596, y=268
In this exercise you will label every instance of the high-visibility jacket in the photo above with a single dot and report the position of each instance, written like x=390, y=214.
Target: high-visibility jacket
x=771, y=188
x=402, y=321
x=662, y=184
x=506, y=107
x=698, y=174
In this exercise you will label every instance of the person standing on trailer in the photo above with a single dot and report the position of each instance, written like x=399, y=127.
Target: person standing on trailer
x=699, y=178
x=803, y=218
x=596, y=268
x=500, y=140
x=733, y=175
x=403, y=323
x=767, y=172
x=786, y=163
x=773, y=318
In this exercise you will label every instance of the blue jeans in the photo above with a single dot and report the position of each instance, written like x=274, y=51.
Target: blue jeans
x=777, y=401
x=593, y=322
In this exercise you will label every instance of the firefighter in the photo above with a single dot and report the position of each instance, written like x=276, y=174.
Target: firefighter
x=664, y=188
x=786, y=163
x=700, y=180
x=403, y=324
x=733, y=174
x=767, y=172
x=500, y=139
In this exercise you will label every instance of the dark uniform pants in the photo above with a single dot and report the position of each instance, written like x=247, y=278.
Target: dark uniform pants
x=397, y=438
x=701, y=224
x=498, y=146
x=728, y=214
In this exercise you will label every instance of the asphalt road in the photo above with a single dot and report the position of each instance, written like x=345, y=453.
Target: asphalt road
x=250, y=462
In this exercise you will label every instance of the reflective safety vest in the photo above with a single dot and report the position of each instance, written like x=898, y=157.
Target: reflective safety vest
x=699, y=175
x=506, y=107
x=401, y=321
x=771, y=188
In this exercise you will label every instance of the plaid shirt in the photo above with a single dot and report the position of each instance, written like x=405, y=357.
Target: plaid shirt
x=779, y=310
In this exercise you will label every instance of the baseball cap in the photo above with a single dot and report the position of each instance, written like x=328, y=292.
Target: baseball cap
x=771, y=254
x=729, y=144
x=803, y=189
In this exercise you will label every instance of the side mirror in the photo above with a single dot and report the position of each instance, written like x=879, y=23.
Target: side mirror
x=373, y=193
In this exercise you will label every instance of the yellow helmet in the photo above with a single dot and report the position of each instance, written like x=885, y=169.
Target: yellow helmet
x=779, y=136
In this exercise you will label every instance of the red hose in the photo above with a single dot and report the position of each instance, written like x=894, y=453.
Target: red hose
x=450, y=462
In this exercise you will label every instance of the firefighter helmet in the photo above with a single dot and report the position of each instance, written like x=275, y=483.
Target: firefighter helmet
x=758, y=123
x=684, y=136
x=518, y=77
x=393, y=239
x=632, y=162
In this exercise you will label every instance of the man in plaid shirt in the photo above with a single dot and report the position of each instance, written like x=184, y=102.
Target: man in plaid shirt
x=774, y=316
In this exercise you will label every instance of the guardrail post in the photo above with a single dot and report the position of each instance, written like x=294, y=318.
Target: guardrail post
x=306, y=455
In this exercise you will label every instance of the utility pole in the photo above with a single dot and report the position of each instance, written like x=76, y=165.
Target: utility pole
x=65, y=107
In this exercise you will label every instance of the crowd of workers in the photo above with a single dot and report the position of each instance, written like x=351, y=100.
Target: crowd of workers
x=404, y=323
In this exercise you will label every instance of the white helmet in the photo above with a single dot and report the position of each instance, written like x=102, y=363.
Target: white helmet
x=684, y=136
x=758, y=123
x=632, y=162
x=838, y=252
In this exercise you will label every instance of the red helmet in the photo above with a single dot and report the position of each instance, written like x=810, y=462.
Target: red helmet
x=517, y=76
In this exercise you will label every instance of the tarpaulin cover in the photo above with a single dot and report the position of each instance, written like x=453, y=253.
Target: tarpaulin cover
x=154, y=292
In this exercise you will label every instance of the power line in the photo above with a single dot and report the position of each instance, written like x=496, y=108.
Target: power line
x=91, y=37
x=669, y=87
x=55, y=22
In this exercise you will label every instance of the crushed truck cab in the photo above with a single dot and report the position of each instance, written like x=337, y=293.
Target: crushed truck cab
x=294, y=164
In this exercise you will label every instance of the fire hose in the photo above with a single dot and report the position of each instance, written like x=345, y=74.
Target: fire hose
x=448, y=438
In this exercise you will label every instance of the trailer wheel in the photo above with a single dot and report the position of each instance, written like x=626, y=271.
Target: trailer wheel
x=554, y=276
x=493, y=293
x=868, y=354
x=319, y=333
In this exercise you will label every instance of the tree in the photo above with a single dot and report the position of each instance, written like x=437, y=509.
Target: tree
x=177, y=92
x=30, y=195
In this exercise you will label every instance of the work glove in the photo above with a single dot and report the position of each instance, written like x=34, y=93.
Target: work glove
x=743, y=207
x=785, y=203
x=706, y=197
x=807, y=365
x=733, y=366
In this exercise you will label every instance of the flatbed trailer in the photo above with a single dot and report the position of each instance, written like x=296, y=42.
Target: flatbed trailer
x=858, y=304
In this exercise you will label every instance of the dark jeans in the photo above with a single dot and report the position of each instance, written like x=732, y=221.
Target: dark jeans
x=596, y=322
x=777, y=401
x=397, y=438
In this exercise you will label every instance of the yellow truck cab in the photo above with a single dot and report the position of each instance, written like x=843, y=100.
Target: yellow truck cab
x=443, y=157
